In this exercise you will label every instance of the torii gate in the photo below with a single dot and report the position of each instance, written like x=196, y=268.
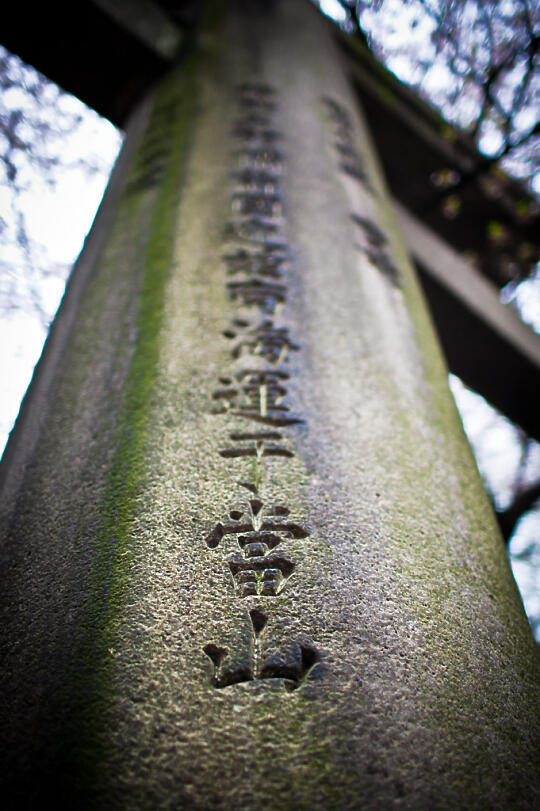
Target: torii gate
x=249, y=557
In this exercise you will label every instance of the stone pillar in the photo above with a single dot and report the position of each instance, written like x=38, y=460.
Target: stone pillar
x=249, y=561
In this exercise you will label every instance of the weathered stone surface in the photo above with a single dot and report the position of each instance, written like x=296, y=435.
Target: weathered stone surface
x=215, y=602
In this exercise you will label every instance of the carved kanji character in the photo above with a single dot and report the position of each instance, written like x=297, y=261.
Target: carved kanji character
x=258, y=292
x=267, y=340
x=253, y=229
x=259, y=568
x=374, y=244
x=258, y=444
x=257, y=524
x=260, y=157
x=255, y=133
x=292, y=665
x=259, y=204
x=265, y=260
x=257, y=179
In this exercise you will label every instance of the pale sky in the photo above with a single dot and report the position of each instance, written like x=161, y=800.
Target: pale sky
x=58, y=220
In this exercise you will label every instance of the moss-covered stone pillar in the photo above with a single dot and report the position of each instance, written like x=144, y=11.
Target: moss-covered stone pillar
x=248, y=561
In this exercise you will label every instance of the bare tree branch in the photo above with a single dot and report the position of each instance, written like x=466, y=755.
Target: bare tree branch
x=522, y=503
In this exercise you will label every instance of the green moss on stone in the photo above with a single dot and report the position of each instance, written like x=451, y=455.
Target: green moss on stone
x=174, y=110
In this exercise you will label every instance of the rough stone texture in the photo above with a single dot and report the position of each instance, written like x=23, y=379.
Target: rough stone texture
x=395, y=668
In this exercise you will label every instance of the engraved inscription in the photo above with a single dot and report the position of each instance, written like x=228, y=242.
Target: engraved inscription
x=370, y=239
x=261, y=203
x=271, y=342
x=257, y=566
x=268, y=260
x=292, y=667
x=256, y=395
x=257, y=180
x=153, y=157
x=349, y=159
x=259, y=293
x=254, y=535
x=373, y=242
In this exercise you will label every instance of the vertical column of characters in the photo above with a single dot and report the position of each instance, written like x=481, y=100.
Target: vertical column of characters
x=370, y=238
x=253, y=389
